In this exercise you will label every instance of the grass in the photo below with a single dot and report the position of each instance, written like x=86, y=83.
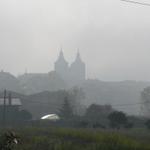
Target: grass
x=79, y=139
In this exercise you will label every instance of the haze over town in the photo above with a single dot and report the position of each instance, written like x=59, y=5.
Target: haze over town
x=112, y=36
x=74, y=74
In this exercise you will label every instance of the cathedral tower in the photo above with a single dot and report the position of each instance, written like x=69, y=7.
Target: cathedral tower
x=77, y=70
x=61, y=66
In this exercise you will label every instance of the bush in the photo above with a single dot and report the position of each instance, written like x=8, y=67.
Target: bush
x=117, y=119
x=147, y=124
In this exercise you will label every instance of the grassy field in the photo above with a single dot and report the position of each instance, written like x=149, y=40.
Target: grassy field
x=81, y=139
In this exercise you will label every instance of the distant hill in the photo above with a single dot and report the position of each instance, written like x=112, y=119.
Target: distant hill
x=9, y=82
x=119, y=94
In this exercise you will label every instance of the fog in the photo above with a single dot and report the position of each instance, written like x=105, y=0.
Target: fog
x=112, y=36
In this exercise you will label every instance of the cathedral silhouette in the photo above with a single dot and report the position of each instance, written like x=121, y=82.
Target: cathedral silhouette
x=63, y=76
x=73, y=74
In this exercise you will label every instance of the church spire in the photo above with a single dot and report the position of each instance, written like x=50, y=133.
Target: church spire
x=78, y=54
x=61, y=54
x=78, y=70
x=78, y=57
x=61, y=58
x=61, y=66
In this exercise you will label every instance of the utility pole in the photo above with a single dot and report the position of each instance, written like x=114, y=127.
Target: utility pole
x=9, y=100
x=9, y=111
x=4, y=109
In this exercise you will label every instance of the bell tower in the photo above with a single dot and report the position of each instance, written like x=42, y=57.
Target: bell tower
x=61, y=66
x=78, y=70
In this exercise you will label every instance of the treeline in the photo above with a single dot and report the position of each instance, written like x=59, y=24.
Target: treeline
x=71, y=112
x=95, y=116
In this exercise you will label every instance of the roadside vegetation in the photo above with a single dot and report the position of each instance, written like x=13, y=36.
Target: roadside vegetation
x=78, y=139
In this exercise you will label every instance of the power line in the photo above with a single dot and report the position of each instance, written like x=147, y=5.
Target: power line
x=136, y=2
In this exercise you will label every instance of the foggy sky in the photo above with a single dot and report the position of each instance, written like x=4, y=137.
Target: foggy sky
x=113, y=36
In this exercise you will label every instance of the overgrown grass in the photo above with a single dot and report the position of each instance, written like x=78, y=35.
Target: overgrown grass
x=77, y=139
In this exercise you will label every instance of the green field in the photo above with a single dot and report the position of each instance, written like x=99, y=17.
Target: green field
x=81, y=139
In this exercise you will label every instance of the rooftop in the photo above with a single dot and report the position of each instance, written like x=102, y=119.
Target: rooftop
x=14, y=101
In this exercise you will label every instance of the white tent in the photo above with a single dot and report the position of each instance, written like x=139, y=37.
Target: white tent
x=52, y=117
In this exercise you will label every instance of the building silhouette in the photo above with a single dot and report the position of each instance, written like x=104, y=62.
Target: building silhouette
x=63, y=76
x=75, y=73
x=61, y=67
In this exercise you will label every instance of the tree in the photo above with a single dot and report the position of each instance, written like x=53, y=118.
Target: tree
x=148, y=124
x=98, y=112
x=66, y=111
x=117, y=119
x=97, y=115
x=76, y=97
